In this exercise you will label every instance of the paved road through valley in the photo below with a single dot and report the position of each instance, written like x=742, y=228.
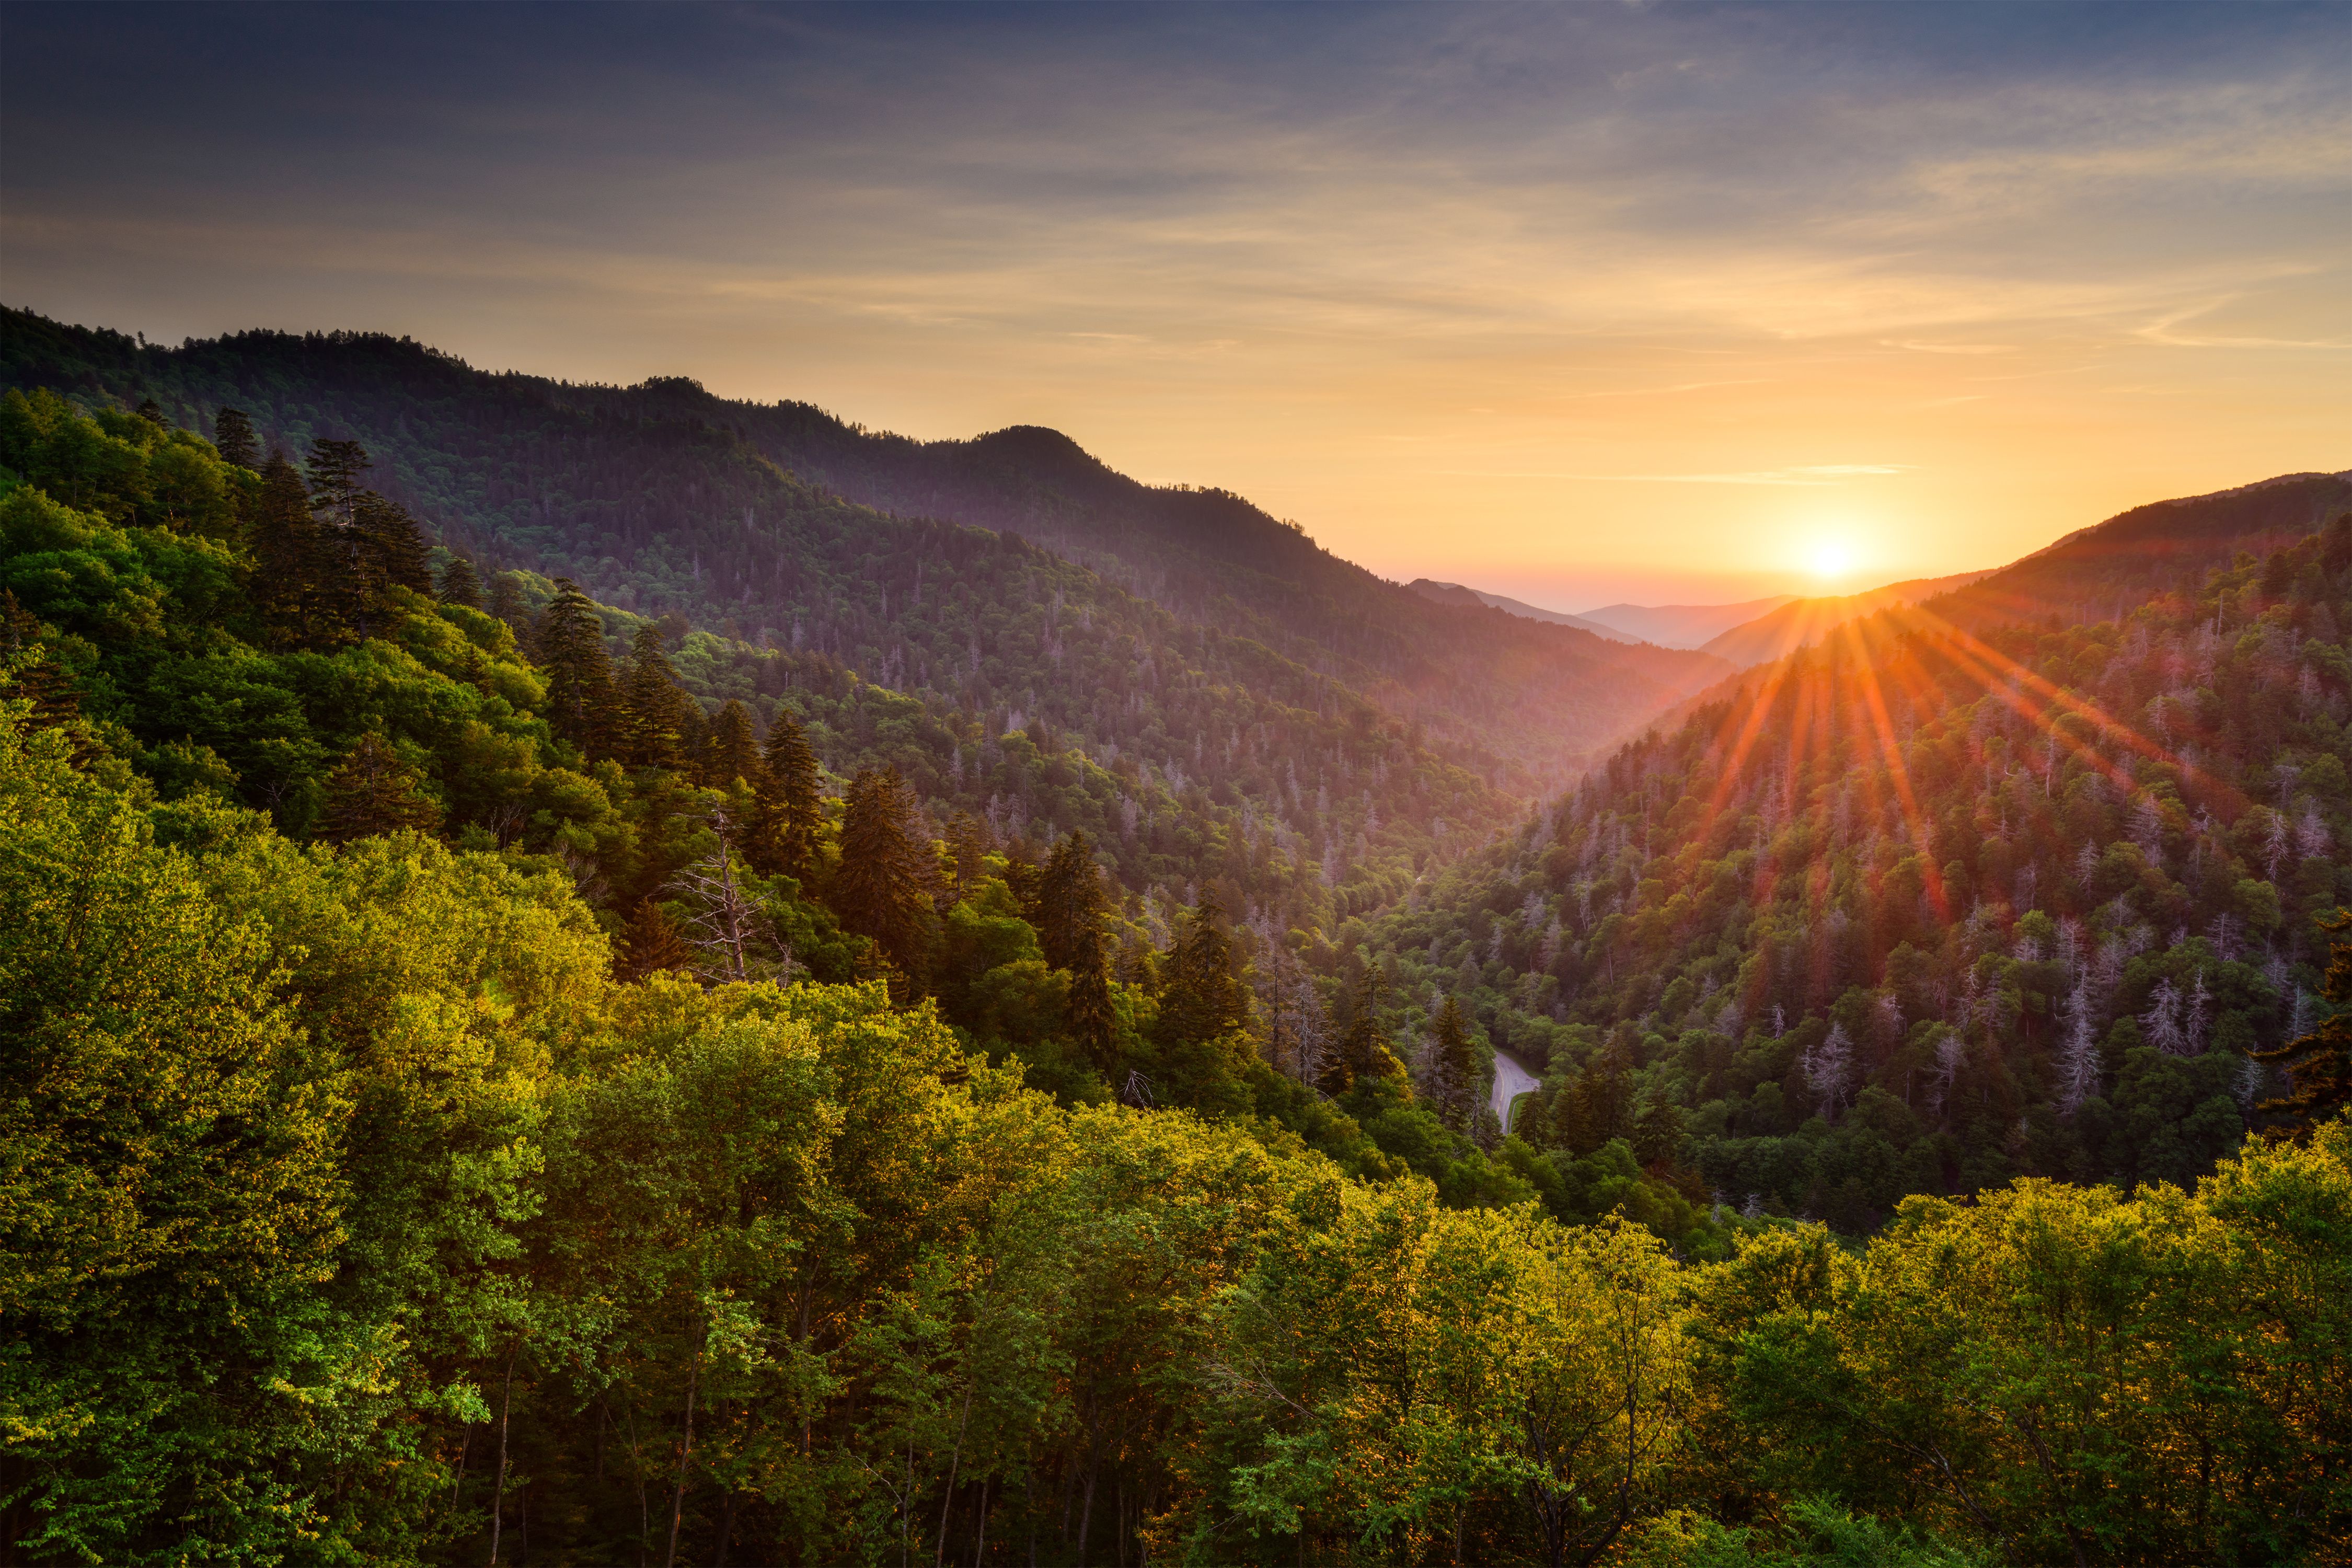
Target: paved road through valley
x=1511, y=1081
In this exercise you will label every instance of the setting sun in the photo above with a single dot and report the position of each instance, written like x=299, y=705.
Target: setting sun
x=1830, y=559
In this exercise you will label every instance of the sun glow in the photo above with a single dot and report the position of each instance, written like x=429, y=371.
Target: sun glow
x=1830, y=560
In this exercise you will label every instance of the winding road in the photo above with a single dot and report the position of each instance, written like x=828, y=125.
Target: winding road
x=1511, y=1081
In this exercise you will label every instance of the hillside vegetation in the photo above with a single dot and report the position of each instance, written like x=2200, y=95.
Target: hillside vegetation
x=493, y=1071
x=661, y=498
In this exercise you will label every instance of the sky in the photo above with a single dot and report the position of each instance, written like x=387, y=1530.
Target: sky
x=1578, y=303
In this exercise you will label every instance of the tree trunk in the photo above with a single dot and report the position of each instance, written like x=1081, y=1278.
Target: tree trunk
x=498, y=1490
x=955, y=1459
x=685, y=1447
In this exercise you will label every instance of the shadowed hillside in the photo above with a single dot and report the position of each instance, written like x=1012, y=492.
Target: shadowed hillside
x=656, y=495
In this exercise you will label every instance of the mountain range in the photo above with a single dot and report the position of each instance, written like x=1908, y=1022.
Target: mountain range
x=602, y=948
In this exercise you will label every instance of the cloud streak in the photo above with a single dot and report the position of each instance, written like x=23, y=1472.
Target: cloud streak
x=1579, y=255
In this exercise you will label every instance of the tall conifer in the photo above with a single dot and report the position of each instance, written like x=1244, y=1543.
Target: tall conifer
x=460, y=584
x=652, y=717
x=1364, y=1051
x=233, y=439
x=289, y=558
x=883, y=887
x=1071, y=907
x=734, y=750
x=791, y=806
x=1202, y=996
x=1453, y=1068
x=569, y=645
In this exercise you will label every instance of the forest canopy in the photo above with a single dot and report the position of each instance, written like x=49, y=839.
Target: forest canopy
x=491, y=1072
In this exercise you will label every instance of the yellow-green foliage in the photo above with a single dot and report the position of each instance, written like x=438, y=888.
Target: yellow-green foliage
x=352, y=1211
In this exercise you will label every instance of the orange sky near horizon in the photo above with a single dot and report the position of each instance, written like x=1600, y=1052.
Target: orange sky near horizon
x=1575, y=304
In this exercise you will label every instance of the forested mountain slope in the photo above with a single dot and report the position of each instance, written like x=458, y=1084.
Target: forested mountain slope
x=1920, y=909
x=2102, y=572
x=356, y=1212
x=479, y=1091
x=661, y=498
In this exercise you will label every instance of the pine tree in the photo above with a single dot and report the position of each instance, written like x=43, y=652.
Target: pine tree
x=1069, y=902
x=883, y=887
x=734, y=750
x=652, y=944
x=506, y=603
x=333, y=469
x=289, y=558
x=373, y=793
x=2319, y=1064
x=791, y=808
x=569, y=646
x=152, y=412
x=1071, y=905
x=460, y=585
x=968, y=837
x=1022, y=878
x=652, y=717
x=1453, y=1068
x=1202, y=997
x=1364, y=1049
x=1658, y=1134
x=393, y=549
x=233, y=439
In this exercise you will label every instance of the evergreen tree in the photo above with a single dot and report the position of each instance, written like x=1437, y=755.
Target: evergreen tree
x=2319, y=1064
x=394, y=548
x=569, y=645
x=333, y=469
x=791, y=806
x=968, y=838
x=460, y=585
x=1073, y=937
x=233, y=439
x=1453, y=1068
x=652, y=944
x=1022, y=876
x=883, y=887
x=652, y=717
x=734, y=748
x=506, y=603
x=1069, y=902
x=152, y=412
x=1202, y=996
x=289, y=558
x=374, y=792
x=1364, y=1051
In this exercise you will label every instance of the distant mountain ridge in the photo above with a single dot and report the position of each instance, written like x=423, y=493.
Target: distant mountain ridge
x=553, y=477
x=1803, y=622
x=1456, y=594
x=1684, y=625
